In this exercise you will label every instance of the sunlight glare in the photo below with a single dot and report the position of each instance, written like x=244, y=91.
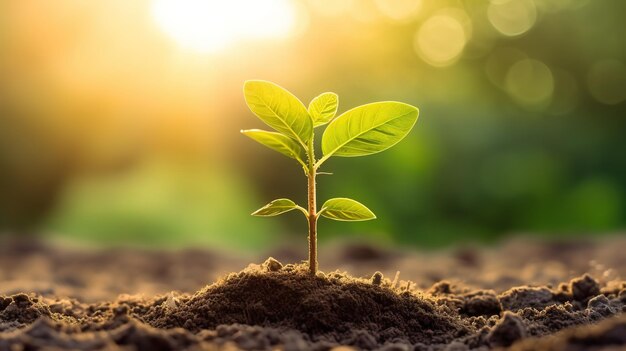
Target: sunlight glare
x=209, y=26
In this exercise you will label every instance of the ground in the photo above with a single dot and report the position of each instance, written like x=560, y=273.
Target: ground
x=518, y=295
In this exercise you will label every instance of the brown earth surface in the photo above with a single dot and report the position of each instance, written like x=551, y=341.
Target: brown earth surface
x=518, y=295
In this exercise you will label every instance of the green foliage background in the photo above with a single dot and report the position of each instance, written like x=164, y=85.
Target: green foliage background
x=147, y=149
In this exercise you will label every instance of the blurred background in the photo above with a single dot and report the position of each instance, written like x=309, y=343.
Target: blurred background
x=119, y=120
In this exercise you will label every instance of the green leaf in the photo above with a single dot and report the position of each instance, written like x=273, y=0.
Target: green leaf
x=323, y=108
x=344, y=209
x=276, y=207
x=368, y=129
x=279, y=109
x=277, y=142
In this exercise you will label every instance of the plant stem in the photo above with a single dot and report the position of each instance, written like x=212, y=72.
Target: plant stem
x=312, y=217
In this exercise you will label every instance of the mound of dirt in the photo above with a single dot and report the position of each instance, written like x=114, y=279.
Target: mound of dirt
x=333, y=307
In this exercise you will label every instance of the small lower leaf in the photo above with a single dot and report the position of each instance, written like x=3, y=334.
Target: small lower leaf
x=276, y=207
x=344, y=209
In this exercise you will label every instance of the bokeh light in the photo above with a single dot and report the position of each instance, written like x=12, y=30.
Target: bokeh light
x=530, y=82
x=512, y=17
x=607, y=81
x=440, y=40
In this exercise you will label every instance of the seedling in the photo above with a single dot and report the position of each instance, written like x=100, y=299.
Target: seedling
x=361, y=131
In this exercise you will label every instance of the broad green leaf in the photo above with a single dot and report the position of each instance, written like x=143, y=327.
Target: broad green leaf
x=279, y=109
x=323, y=108
x=277, y=142
x=344, y=209
x=368, y=129
x=275, y=208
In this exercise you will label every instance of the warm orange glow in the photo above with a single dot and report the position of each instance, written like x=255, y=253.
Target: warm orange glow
x=209, y=26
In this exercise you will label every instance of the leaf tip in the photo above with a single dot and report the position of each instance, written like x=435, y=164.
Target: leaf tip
x=245, y=85
x=248, y=85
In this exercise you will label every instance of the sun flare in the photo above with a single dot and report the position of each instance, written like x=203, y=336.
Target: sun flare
x=209, y=26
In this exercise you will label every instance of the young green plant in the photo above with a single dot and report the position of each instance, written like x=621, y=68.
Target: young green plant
x=361, y=131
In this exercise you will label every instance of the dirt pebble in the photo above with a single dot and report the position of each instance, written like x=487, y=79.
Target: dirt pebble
x=521, y=297
x=482, y=304
x=584, y=287
x=508, y=330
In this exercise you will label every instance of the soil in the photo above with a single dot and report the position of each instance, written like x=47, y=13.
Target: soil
x=519, y=295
